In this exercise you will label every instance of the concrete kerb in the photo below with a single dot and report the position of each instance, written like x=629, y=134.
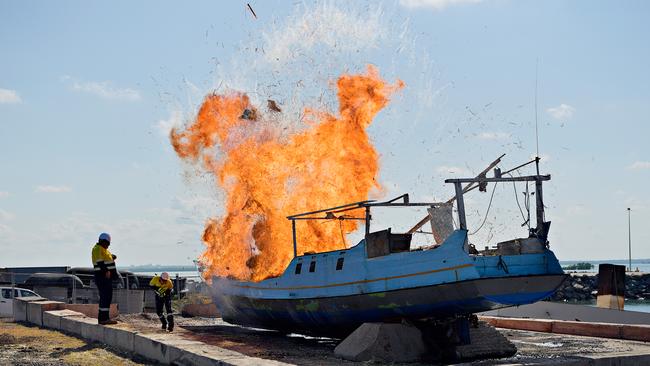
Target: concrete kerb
x=155, y=346
x=20, y=307
x=35, y=310
x=169, y=349
x=206, y=355
x=122, y=339
x=52, y=318
x=71, y=324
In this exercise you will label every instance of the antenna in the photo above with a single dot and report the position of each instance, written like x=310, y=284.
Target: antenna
x=536, y=124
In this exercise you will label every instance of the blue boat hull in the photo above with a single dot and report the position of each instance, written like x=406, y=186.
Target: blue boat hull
x=341, y=315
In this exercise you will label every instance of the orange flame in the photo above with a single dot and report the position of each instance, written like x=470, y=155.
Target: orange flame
x=266, y=179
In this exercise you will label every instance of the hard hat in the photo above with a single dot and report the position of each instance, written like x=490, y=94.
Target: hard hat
x=105, y=236
x=164, y=276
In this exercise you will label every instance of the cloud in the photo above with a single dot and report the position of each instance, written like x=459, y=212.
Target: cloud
x=444, y=169
x=435, y=4
x=493, y=135
x=8, y=96
x=639, y=165
x=164, y=126
x=103, y=89
x=4, y=194
x=53, y=189
x=6, y=215
x=561, y=112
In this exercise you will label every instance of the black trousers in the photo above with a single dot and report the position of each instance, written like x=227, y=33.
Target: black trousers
x=165, y=302
x=105, y=287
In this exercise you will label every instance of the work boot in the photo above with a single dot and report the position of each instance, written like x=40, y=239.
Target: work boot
x=107, y=322
x=164, y=322
x=170, y=319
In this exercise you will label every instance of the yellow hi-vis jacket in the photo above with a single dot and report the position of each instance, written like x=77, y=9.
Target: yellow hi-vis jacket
x=102, y=260
x=161, y=286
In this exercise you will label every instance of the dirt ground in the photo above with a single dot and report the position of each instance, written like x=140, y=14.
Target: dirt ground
x=28, y=345
x=533, y=348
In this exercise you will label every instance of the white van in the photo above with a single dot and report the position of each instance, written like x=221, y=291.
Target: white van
x=7, y=299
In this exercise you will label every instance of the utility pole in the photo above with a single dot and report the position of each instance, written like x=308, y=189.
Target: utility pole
x=629, y=236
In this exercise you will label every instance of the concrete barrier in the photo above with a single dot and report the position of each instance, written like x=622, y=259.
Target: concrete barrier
x=71, y=325
x=91, y=310
x=90, y=329
x=35, y=310
x=52, y=318
x=535, y=325
x=153, y=346
x=205, y=355
x=122, y=339
x=589, y=329
x=20, y=307
x=636, y=332
x=604, y=330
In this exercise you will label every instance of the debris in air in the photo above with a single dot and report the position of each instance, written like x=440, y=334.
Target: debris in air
x=249, y=114
x=251, y=9
x=273, y=106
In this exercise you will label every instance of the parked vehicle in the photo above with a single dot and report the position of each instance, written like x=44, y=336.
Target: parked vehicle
x=7, y=295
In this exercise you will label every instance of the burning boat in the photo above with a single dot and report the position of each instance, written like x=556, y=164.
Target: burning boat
x=384, y=279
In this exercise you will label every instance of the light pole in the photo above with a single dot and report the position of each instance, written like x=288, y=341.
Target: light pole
x=629, y=237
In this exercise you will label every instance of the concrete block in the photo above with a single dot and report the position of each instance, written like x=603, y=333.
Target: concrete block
x=92, y=310
x=383, y=342
x=119, y=338
x=90, y=330
x=604, y=330
x=20, y=307
x=72, y=325
x=485, y=342
x=535, y=325
x=152, y=346
x=35, y=310
x=52, y=318
x=206, y=355
x=636, y=332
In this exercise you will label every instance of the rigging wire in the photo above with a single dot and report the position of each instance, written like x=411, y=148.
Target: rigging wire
x=526, y=221
x=487, y=211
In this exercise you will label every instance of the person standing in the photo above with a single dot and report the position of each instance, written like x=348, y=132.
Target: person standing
x=163, y=287
x=105, y=272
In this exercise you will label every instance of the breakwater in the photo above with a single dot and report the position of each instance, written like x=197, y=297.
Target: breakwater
x=584, y=287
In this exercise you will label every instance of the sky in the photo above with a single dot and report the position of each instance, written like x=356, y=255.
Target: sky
x=90, y=90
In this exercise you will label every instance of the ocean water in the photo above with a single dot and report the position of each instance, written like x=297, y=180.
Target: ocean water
x=188, y=274
x=642, y=264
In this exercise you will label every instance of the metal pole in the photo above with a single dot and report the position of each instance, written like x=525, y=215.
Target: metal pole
x=460, y=205
x=629, y=236
x=367, y=220
x=178, y=282
x=127, y=289
x=293, y=228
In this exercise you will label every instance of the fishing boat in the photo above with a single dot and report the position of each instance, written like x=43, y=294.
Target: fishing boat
x=384, y=279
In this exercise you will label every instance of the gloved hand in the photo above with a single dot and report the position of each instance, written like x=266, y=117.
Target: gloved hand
x=114, y=256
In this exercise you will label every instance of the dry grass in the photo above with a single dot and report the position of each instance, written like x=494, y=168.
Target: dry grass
x=21, y=344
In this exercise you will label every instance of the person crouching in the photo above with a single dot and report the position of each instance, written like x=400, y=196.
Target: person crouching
x=163, y=287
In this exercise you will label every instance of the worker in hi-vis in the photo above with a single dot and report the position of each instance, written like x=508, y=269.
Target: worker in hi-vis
x=163, y=287
x=105, y=272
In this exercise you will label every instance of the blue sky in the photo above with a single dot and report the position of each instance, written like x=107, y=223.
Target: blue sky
x=88, y=91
